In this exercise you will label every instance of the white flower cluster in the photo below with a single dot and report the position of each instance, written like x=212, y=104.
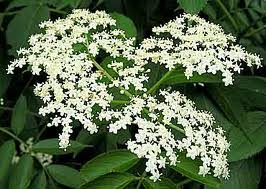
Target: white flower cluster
x=156, y=143
x=198, y=46
x=1, y=101
x=78, y=88
x=44, y=159
x=72, y=88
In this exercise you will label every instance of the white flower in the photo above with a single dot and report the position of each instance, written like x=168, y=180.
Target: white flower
x=1, y=101
x=44, y=159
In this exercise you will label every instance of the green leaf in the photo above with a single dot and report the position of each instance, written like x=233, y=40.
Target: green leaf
x=164, y=183
x=203, y=102
x=245, y=174
x=126, y=24
x=255, y=128
x=23, y=172
x=178, y=77
x=110, y=181
x=7, y=151
x=229, y=103
x=252, y=91
x=51, y=146
x=233, y=4
x=115, y=161
x=60, y=4
x=39, y=181
x=210, y=11
x=192, y=6
x=24, y=24
x=19, y=114
x=66, y=176
x=190, y=169
x=21, y=3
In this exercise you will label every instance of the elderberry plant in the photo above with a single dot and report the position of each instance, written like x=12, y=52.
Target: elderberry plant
x=116, y=93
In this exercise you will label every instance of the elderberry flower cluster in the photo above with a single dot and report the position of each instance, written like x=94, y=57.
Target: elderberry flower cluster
x=44, y=159
x=79, y=88
x=198, y=46
x=201, y=139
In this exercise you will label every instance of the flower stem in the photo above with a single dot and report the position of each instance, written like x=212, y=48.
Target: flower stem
x=176, y=128
x=99, y=67
x=118, y=102
x=12, y=135
x=158, y=83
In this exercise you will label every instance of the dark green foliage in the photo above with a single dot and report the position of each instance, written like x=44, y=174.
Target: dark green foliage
x=114, y=161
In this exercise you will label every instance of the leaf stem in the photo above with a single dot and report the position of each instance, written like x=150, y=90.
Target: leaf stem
x=141, y=179
x=12, y=135
x=249, y=34
x=11, y=109
x=57, y=11
x=158, y=83
x=181, y=183
x=40, y=133
x=228, y=14
x=8, y=13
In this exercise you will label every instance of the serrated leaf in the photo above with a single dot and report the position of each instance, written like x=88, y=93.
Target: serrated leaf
x=7, y=151
x=24, y=24
x=51, y=146
x=255, y=127
x=115, y=161
x=110, y=181
x=192, y=6
x=164, y=183
x=19, y=114
x=124, y=23
x=245, y=174
x=39, y=181
x=66, y=176
x=22, y=174
x=190, y=169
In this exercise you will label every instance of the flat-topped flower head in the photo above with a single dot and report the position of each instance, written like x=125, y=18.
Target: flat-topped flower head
x=198, y=46
x=77, y=87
